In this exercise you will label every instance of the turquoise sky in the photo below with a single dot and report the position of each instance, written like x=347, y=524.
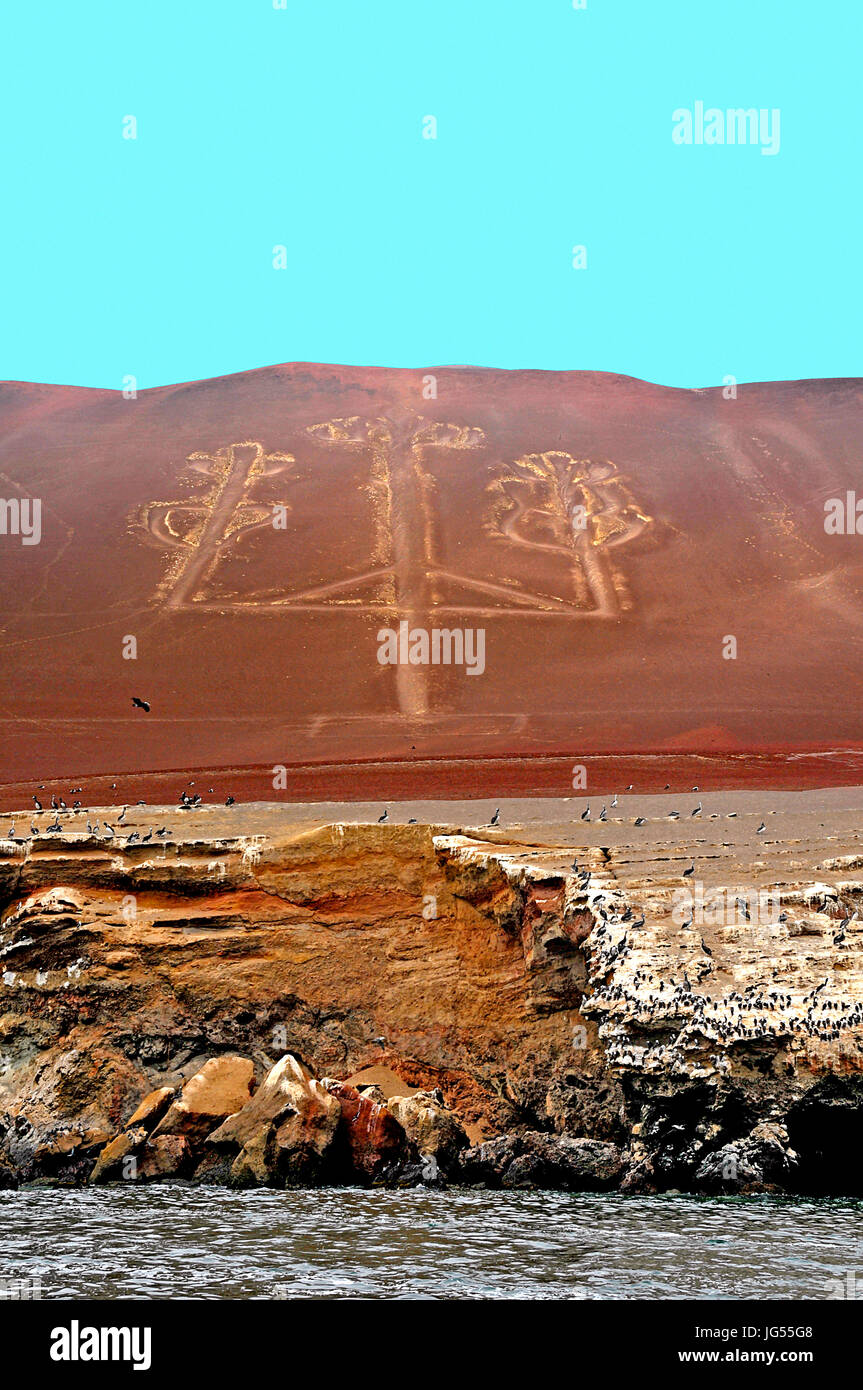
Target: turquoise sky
x=302, y=127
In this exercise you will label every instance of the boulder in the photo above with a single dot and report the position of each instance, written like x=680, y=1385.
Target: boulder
x=285, y=1133
x=165, y=1156
x=219, y=1089
x=433, y=1129
x=152, y=1108
x=375, y=1140
x=110, y=1163
x=762, y=1162
x=544, y=1160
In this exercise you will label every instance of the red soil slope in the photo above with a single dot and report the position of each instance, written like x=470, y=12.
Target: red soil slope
x=607, y=535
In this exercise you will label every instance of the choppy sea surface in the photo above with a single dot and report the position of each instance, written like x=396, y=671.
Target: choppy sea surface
x=176, y=1242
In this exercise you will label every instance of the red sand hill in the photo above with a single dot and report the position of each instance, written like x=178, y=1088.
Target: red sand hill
x=606, y=535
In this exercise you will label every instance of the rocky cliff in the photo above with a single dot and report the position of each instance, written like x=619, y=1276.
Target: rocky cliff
x=360, y=1003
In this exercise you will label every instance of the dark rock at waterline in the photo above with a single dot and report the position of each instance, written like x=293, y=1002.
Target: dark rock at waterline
x=546, y=1161
x=762, y=1162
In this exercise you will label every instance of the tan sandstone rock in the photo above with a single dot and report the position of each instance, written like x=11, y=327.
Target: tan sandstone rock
x=110, y=1160
x=285, y=1133
x=434, y=1130
x=219, y=1089
x=152, y=1107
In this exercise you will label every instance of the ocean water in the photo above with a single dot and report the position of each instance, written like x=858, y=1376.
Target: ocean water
x=177, y=1242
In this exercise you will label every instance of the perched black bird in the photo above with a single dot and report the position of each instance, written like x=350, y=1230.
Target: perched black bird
x=495, y=818
x=384, y=817
x=639, y=820
x=140, y=704
x=230, y=801
x=585, y=815
x=38, y=803
x=705, y=948
x=687, y=873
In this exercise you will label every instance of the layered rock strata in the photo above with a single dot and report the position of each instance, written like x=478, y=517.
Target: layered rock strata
x=408, y=1003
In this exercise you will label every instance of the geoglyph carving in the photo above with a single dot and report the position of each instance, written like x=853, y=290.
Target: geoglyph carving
x=578, y=509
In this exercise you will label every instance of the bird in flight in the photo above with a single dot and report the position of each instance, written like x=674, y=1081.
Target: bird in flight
x=140, y=704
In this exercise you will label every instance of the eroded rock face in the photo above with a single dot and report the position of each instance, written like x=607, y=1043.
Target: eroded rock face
x=570, y=1027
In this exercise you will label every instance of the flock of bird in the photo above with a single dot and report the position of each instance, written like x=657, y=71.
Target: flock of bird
x=757, y=1012
x=108, y=831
